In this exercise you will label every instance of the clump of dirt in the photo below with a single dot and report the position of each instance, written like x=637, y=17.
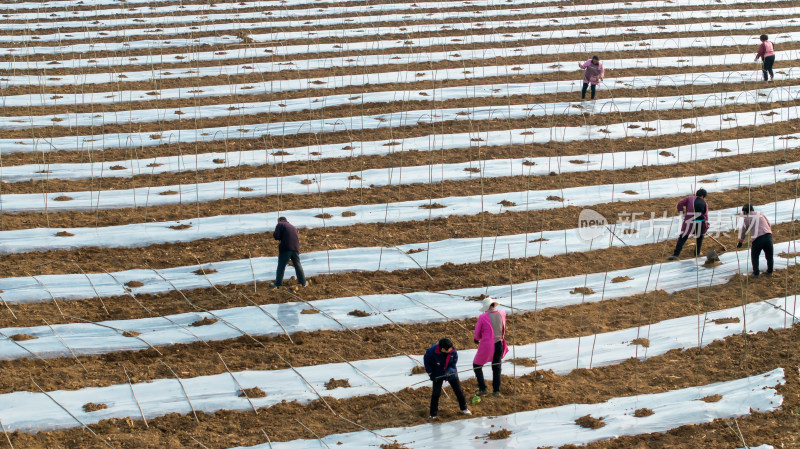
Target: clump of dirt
x=245, y=189
x=337, y=383
x=202, y=271
x=630, y=231
x=793, y=171
x=433, y=206
x=689, y=126
x=712, y=398
x=254, y=392
x=133, y=284
x=22, y=337
x=644, y=342
x=555, y=198
x=348, y=213
x=64, y=234
x=582, y=291
x=306, y=182
x=725, y=320
x=168, y=192
x=472, y=170
x=309, y=311
x=415, y=250
x=708, y=181
x=501, y=434
x=540, y=239
x=353, y=178
x=418, y=369
x=643, y=412
x=630, y=192
x=578, y=162
x=647, y=128
x=722, y=150
x=620, y=279
x=62, y=198
x=394, y=445
x=204, y=322
x=522, y=361
x=391, y=144
x=131, y=334
x=665, y=154
x=480, y=297
x=632, y=126
x=281, y=153
x=218, y=161
x=93, y=407
x=180, y=227
x=506, y=203
x=324, y=216
x=528, y=163
x=117, y=167
x=590, y=422
x=358, y=313
x=786, y=255
x=154, y=164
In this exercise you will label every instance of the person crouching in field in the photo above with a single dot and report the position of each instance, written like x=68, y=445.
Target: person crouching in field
x=694, y=221
x=593, y=73
x=440, y=364
x=766, y=52
x=490, y=334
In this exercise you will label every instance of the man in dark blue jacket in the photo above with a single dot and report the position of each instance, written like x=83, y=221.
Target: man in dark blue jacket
x=289, y=248
x=440, y=364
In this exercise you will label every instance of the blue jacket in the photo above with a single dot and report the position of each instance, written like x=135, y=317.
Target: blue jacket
x=439, y=365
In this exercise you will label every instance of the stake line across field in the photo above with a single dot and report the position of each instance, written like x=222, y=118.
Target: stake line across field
x=438, y=98
x=516, y=201
x=91, y=339
x=370, y=259
x=35, y=411
x=353, y=15
x=119, y=79
x=465, y=54
x=757, y=15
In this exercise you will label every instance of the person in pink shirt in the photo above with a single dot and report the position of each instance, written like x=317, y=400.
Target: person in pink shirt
x=490, y=335
x=766, y=52
x=593, y=73
x=757, y=225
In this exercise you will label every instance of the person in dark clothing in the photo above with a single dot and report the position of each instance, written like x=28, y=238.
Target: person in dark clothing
x=694, y=212
x=757, y=225
x=288, y=249
x=440, y=364
x=766, y=52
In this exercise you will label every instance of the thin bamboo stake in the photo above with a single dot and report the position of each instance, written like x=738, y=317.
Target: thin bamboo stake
x=238, y=385
x=65, y=345
x=130, y=384
x=313, y=433
x=184, y=390
x=71, y=414
x=373, y=380
x=269, y=442
x=269, y=315
x=3, y=426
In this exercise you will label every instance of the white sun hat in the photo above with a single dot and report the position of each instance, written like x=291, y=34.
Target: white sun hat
x=487, y=302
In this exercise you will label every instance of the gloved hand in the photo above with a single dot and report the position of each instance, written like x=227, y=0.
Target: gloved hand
x=739, y=245
x=430, y=376
x=477, y=342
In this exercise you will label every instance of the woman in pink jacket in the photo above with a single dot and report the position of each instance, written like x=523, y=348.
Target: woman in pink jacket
x=767, y=54
x=490, y=334
x=593, y=73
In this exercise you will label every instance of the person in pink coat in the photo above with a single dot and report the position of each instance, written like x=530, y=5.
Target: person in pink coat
x=593, y=73
x=490, y=335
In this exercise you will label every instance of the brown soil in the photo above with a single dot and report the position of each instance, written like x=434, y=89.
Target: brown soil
x=337, y=383
x=643, y=413
x=418, y=369
x=501, y=434
x=523, y=362
x=379, y=195
x=22, y=337
x=726, y=320
x=243, y=353
x=643, y=342
x=619, y=279
x=254, y=392
x=712, y=398
x=582, y=291
x=358, y=313
x=92, y=407
x=590, y=422
x=204, y=322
